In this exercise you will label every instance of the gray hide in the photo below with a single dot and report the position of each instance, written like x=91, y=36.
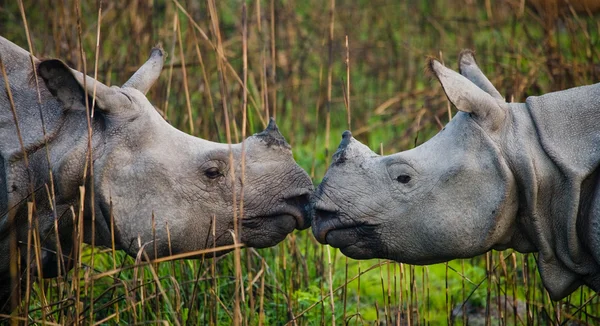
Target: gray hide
x=144, y=171
x=499, y=175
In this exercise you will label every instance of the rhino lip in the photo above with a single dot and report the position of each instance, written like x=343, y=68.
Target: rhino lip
x=327, y=221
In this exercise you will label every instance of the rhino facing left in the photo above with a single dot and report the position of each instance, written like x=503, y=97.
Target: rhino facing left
x=160, y=186
x=499, y=175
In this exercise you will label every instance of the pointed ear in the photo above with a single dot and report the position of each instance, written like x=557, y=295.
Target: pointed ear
x=68, y=86
x=468, y=68
x=107, y=99
x=468, y=97
x=61, y=82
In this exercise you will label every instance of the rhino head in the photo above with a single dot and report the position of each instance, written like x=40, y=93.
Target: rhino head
x=423, y=205
x=166, y=189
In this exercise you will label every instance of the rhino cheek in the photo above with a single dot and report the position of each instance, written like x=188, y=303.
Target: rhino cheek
x=171, y=216
x=461, y=217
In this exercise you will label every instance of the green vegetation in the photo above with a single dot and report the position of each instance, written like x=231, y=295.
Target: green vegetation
x=298, y=74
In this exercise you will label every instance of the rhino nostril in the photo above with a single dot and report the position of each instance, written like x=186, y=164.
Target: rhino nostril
x=325, y=221
x=303, y=213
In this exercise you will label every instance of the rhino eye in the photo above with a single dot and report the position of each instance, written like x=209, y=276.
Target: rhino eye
x=403, y=178
x=212, y=173
x=402, y=173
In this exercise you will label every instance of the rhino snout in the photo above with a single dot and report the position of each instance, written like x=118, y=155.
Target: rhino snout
x=329, y=218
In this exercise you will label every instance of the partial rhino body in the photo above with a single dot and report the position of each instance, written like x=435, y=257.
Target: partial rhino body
x=162, y=188
x=499, y=175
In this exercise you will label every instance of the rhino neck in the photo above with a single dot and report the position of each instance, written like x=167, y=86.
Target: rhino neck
x=549, y=195
x=567, y=124
x=28, y=115
x=58, y=145
x=568, y=129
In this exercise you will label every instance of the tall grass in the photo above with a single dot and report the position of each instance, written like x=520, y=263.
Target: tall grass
x=320, y=67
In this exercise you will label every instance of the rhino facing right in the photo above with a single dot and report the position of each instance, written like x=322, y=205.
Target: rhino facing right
x=499, y=175
x=153, y=187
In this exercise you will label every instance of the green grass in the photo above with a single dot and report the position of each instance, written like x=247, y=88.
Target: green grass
x=389, y=42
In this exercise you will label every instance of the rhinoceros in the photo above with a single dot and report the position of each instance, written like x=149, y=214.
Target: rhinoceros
x=162, y=187
x=499, y=175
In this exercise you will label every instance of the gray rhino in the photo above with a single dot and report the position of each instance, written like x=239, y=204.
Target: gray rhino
x=161, y=187
x=499, y=175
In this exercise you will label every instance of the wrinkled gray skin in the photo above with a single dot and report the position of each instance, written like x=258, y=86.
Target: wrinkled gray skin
x=499, y=175
x=143, y=168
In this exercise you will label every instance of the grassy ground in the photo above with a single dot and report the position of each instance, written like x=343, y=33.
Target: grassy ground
x=297, y=72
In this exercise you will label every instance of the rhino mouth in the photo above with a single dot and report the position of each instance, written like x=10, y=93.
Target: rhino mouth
x=331, y=228
x=355, y=239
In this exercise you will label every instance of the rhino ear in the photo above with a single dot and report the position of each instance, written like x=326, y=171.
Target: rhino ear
x=468, y=97
x=61, y=82
x=147, y=75
x=68, y=86
x=468, y=68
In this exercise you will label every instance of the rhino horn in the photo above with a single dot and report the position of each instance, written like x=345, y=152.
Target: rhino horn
x=468, y=97
x=350, y=147
x=147, y=75
x=272, y=136
x=468, y=68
